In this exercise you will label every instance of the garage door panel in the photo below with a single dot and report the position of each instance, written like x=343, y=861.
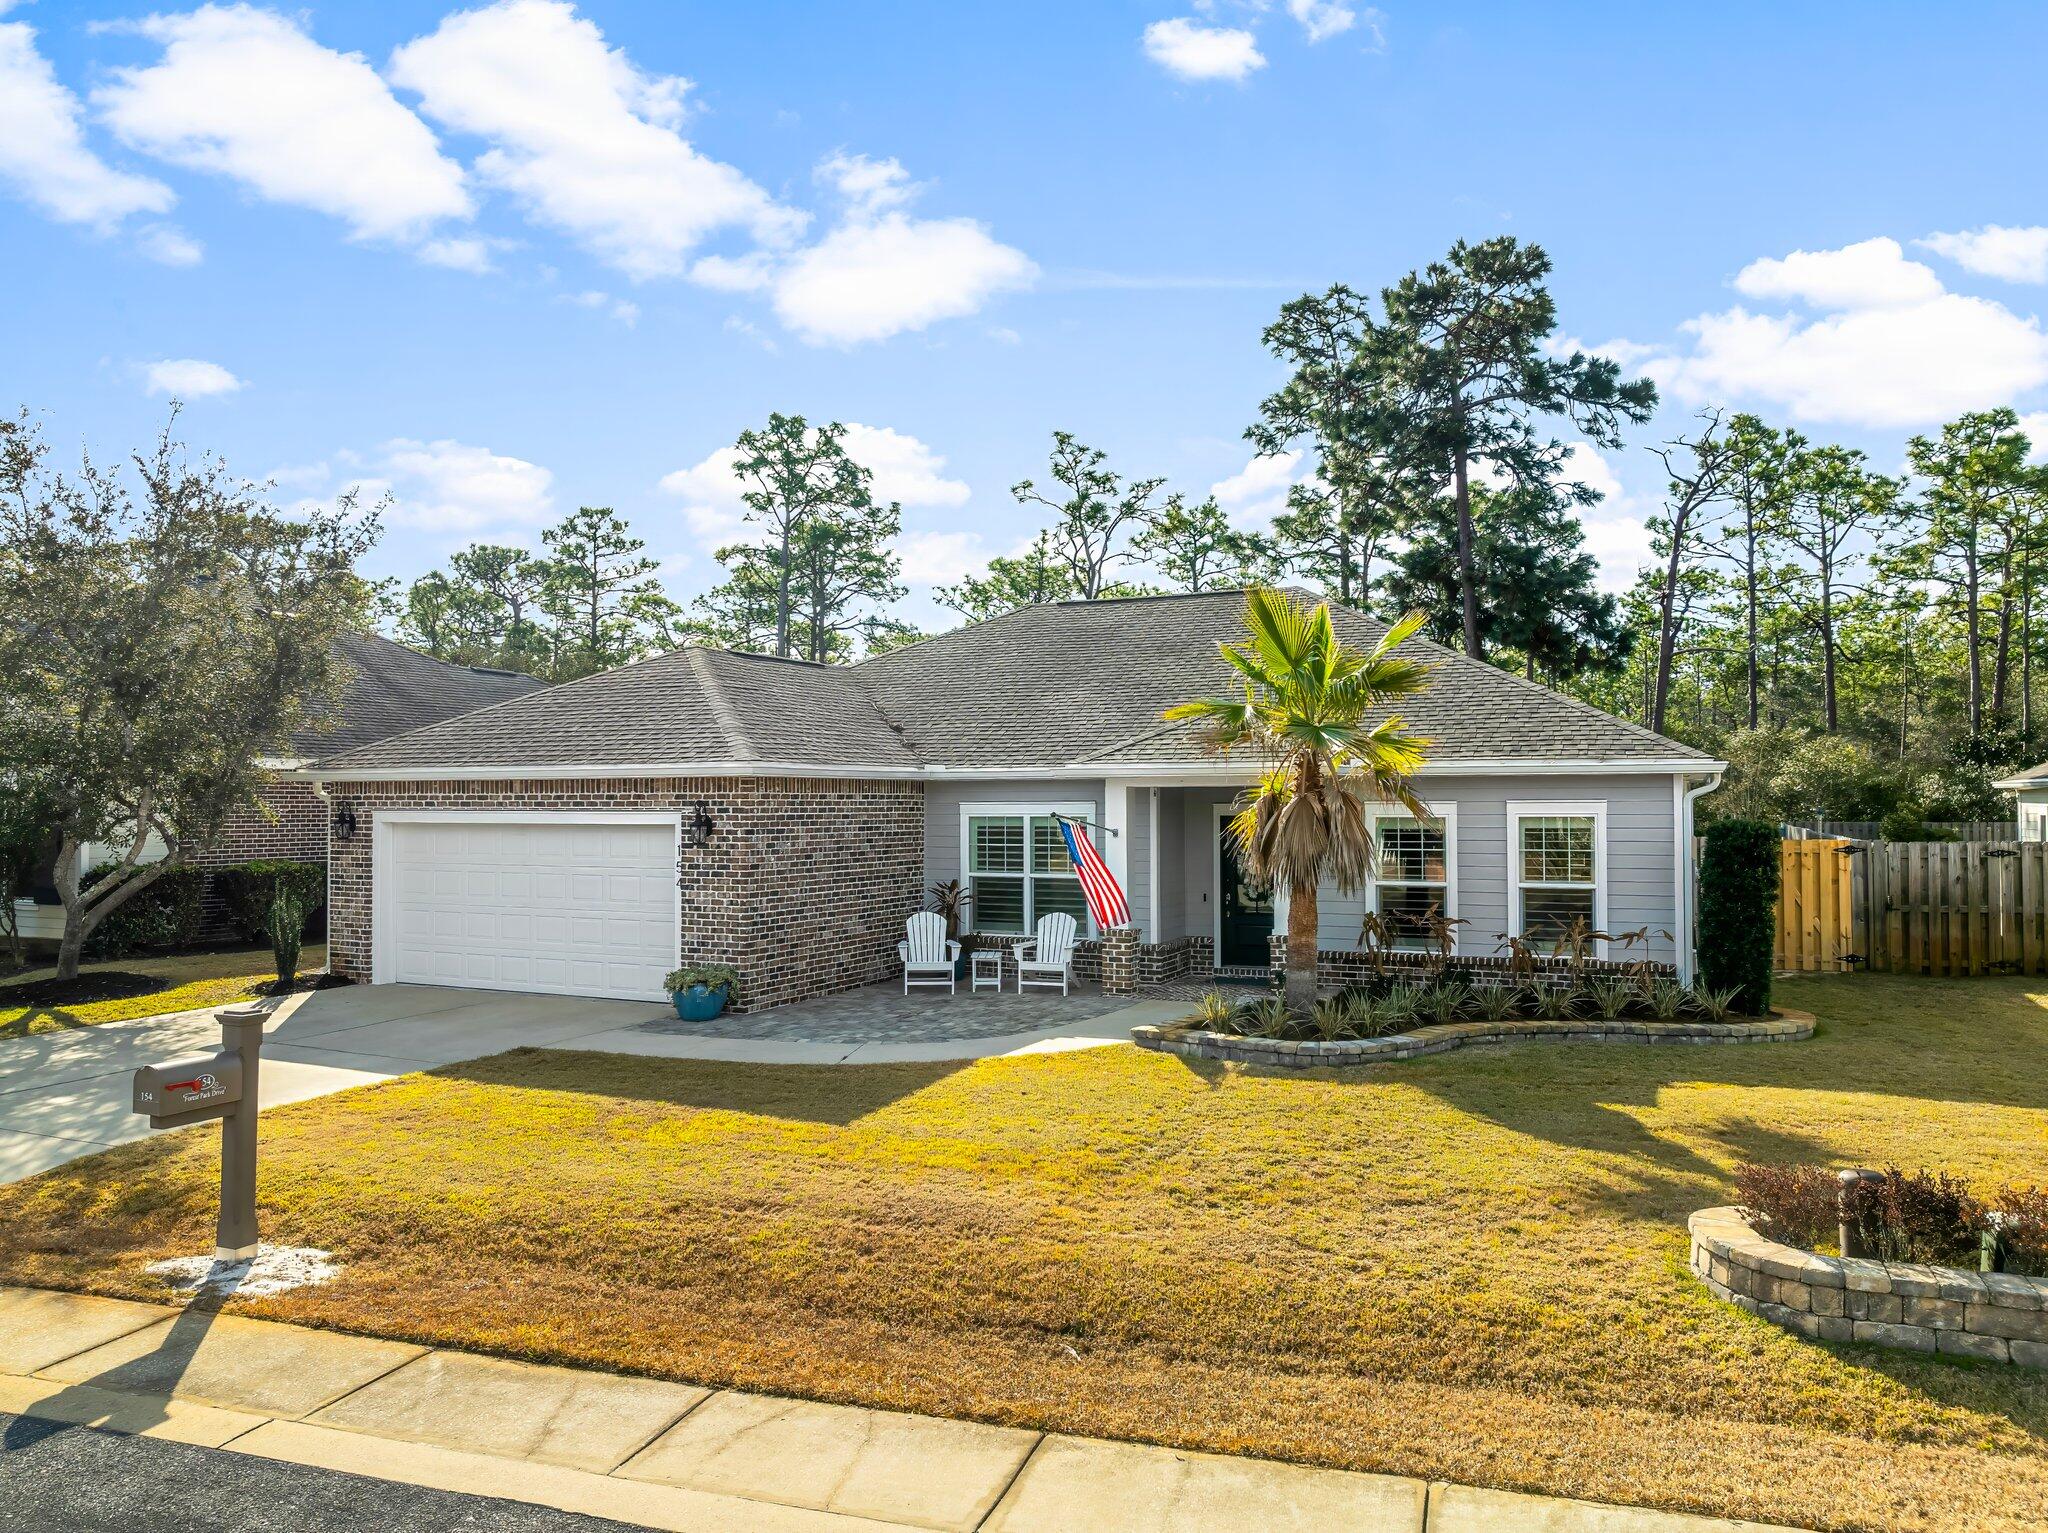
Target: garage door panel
x=573, y=909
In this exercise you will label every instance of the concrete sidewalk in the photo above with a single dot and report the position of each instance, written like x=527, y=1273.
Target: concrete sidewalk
x=678, y=1457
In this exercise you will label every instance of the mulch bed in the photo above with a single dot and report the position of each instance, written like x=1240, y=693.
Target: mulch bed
x=99, y=985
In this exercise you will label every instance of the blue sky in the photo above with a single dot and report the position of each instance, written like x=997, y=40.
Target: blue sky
x=503, y=260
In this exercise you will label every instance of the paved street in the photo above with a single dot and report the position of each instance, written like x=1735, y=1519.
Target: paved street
x=57, y=1478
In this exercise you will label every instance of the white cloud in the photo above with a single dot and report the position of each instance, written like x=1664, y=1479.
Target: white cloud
x=2015, y=255
x=876, y=276
x=1256, y=493
x=43, y=153
x=465, y=253
x=940, y=558
x=1895, y=350
x=2035, y=425
x=1871, y=274
x=246, y=94
x=452, y=486
x=581, y=137
x=1617, y=535
x=189, y=378
x=1323, y=19
x=1622, y=353
x=624, y=310
x=904, y=470
x=867, y=185
x=170, y=245
x=1185, y=48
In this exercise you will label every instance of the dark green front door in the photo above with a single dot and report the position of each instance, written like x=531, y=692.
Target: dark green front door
x=1246, y=910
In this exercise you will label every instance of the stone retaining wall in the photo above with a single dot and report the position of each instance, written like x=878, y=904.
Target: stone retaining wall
x=1990, y=1315
x=1198, y=1042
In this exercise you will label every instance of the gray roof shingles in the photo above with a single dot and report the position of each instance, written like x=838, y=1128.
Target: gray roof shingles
x=1065, y=684
x=390, y=689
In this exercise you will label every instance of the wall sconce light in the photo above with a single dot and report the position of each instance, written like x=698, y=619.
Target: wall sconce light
x=697, y=829
x=344, y=822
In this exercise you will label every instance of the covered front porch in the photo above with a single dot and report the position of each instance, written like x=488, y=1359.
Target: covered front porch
x=1495, y=856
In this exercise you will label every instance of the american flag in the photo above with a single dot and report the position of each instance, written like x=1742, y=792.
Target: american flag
x=1105, y=900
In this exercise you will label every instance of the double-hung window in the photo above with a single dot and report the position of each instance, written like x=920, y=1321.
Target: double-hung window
x=1560, y=855
x=1412, y=872
x=1017, y=867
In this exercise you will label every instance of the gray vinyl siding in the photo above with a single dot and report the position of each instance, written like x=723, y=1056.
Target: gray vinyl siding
x=942, y=801
x=1638, y=878
x=1138, y=828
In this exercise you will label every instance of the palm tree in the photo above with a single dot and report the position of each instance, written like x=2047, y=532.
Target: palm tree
x=1303, y=713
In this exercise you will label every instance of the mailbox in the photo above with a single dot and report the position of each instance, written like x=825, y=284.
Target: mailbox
x=191, y=1090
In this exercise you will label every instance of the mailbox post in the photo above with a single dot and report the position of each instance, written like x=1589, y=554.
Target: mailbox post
x=202, y=1087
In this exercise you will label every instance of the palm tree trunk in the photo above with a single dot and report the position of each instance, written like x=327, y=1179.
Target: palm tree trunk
x=1301, y=949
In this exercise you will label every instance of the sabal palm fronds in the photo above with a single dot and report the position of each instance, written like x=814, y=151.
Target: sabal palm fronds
x=1303, y=713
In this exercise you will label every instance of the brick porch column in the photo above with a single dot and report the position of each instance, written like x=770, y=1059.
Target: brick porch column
x=1120, y=960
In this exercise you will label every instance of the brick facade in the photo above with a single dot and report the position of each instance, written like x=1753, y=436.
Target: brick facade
x=292, y=823
x=803, y=886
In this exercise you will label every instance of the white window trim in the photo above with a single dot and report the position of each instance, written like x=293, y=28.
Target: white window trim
x=1079, y=810
x=1448, y=814
x=1595, y=809
x=381, y=849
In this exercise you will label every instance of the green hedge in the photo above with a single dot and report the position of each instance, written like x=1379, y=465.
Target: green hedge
x=246, y=890
x=1739, y=911
x=163, y=916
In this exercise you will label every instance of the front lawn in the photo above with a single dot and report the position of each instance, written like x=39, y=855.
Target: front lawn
x=1470, y=1267
x=143, y=987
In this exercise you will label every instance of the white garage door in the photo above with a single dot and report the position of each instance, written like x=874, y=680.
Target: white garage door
x=565, y=909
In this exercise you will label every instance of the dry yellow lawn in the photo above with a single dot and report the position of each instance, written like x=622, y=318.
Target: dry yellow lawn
x=1470, y=1267
x=190, y=981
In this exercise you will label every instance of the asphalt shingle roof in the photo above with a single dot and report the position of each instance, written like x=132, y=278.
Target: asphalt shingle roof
x=391, y=689
x=689, y=705
x=1065, y=684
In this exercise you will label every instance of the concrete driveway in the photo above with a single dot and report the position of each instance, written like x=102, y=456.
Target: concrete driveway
x=66, y=1094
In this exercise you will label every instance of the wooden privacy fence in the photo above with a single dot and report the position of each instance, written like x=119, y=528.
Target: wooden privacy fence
x=1914, y=907
x=1816, y=913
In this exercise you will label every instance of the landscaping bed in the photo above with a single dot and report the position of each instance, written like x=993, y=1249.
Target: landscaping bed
x=1471, y=1268
x=1193, y=1040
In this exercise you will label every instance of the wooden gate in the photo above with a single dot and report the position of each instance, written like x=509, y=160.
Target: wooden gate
x=1953, y=908
x=1816, y=911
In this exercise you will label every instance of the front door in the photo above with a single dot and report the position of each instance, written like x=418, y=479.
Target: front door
x=1244, y=910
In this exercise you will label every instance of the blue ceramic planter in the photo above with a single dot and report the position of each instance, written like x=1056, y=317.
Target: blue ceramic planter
x=699, y=1003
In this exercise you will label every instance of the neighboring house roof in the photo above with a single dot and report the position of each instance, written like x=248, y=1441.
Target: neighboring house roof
x=391, y=689
x=2032, y=777
x=1068, y=685
x=692, y=705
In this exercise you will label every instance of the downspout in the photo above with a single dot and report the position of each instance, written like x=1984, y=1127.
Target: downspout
x=1687, y=876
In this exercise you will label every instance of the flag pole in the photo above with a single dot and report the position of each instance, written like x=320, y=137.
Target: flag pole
x=1075, y=819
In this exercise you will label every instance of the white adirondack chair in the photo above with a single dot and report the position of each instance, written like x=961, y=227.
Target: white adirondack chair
x=1048, y=958
x=928, y=954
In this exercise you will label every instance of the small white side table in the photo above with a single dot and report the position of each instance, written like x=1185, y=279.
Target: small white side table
x=985, y=965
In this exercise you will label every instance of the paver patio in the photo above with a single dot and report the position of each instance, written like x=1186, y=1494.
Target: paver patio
x=884, y=1014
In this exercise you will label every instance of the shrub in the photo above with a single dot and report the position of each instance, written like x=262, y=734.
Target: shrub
x=286, y=929
x=162, y=916
x=1331, y=1018
x=2020, y=1216
x=1739, y=911
x=247, y=890
x=1798, y=1204
x=712, y=976
x=1928, y=1216
x=1214, y=1011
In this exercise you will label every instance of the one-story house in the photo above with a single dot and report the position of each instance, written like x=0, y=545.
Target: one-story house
x=387, y=689
x=783, y=817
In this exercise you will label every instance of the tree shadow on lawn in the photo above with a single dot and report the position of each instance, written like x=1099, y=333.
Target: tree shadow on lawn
x=835, y=1095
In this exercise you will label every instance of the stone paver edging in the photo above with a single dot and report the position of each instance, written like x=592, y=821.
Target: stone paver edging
x=1196, y=1042
x=1994, y=1316
x=680, y=1457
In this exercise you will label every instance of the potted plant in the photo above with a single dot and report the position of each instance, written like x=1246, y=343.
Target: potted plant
x=951, y=899
x=701, y=990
